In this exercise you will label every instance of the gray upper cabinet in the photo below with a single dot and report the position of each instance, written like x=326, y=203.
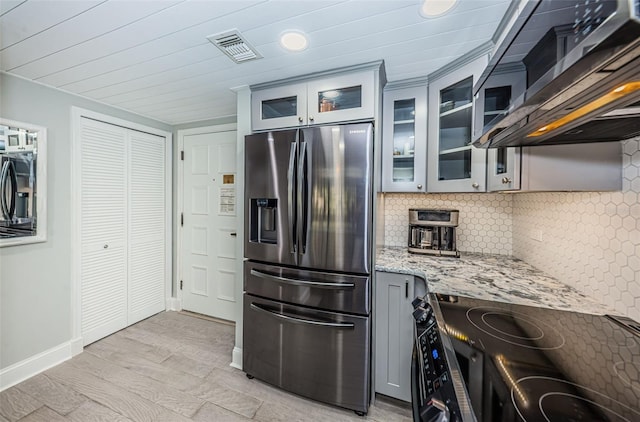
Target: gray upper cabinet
x=404, y=139
x=577, y=167
x=329, y=99
x=453, y=164
x=503, y=164
x=282, y=106
x=584, y=167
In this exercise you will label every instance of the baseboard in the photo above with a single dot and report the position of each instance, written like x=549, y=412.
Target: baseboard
x=29, y=367
x=174, y=304
x=236, y=358
x=77, y=346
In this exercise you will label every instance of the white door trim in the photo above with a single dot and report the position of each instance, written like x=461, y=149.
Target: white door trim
x=228, y=127
x=77, y=114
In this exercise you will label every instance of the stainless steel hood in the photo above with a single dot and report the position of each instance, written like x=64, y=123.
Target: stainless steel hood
x=573, y=70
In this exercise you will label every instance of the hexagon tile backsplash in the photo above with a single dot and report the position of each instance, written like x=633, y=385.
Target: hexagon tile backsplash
x=588, y=240
x=484, y=225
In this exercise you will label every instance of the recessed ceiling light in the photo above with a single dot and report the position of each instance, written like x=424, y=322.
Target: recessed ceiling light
x=294, y=41
x=433, y=8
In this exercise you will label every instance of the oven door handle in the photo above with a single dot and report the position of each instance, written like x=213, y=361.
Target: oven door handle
x=303, y=321
x=320, y=284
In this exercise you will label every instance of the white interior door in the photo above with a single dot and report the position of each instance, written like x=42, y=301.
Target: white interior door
x=146, y=228
x=103, y=229
x=122, y=192
x=208, y=235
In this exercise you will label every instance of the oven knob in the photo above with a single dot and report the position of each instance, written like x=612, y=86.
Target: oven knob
x=420, y=315
x=437, y=411
x=418, y=303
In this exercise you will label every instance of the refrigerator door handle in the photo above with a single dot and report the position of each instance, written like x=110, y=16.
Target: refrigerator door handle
x=302, y=197
x=3, y=190
x=302, y=321
x=291, y=197
x=9, y=177
x=287, y=280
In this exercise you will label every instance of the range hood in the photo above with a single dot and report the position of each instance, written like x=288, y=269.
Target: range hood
x=572, y=69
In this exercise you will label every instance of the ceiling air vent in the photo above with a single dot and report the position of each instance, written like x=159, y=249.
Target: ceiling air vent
x=233, y=45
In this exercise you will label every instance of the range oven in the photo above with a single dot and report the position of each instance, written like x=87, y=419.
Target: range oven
x=477, y=360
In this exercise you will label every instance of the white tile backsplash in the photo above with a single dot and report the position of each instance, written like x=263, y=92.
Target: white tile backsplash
x=589, y=240
x=484, y=224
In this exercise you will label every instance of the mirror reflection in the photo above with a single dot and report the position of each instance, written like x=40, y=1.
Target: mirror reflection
x=18, y=181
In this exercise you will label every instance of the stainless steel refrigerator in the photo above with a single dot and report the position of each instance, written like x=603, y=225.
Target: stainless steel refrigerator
x=307, y=285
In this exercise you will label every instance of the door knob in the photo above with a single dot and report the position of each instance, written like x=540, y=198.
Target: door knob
x=105, y=246
x=475, y=185
x=506, y=180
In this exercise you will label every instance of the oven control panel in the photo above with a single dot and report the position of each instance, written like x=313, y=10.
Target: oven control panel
x=436, y=394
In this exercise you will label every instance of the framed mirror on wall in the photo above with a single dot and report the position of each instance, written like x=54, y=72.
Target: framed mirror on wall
x=23, y=183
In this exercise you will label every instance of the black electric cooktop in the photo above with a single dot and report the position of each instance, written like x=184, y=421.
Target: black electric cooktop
x=522, y=363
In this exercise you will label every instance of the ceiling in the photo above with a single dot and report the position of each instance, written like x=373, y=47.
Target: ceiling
x=152, y=57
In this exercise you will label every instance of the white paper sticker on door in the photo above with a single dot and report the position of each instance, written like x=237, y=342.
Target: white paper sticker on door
x=228, y=198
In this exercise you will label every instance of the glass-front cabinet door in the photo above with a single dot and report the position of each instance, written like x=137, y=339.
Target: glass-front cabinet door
x=404, y=139
x=279, y=107
x=454, y=164
x=341, y=98
x=493, y=102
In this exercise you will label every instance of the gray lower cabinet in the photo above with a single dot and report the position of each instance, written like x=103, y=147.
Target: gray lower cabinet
x=394, y=332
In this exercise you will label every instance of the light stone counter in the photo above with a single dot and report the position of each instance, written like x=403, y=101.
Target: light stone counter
x=490, y=277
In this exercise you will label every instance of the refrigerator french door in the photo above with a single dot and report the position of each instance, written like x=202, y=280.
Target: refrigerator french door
x=307, y=300
x=309, y=197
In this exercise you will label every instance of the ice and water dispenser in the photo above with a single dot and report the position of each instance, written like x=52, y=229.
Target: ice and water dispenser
x=264, y=220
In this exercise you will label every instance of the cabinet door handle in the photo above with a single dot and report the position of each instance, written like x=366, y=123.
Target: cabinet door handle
x=406, y=289
x=419, y=186
x=234, y=234
x=475, y=185
x=506, y=180
x=311, y=118
x=300, y=119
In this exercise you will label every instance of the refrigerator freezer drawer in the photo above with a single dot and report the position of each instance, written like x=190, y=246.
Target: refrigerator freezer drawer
x=327, y=291
x=321, y=355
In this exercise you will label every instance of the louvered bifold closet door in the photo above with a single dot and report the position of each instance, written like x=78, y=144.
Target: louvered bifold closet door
x=103, y=229
x=147, y=225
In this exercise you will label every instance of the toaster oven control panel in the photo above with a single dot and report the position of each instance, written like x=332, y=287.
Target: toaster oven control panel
x=436, y=395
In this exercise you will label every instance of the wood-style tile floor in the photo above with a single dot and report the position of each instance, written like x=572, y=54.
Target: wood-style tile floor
x=170, y=367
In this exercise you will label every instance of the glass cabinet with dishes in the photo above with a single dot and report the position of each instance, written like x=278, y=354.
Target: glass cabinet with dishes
x=341, y=97
x=454, y=165
x=404, y=138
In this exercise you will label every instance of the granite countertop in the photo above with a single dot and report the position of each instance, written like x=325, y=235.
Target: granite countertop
x=490, y=277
